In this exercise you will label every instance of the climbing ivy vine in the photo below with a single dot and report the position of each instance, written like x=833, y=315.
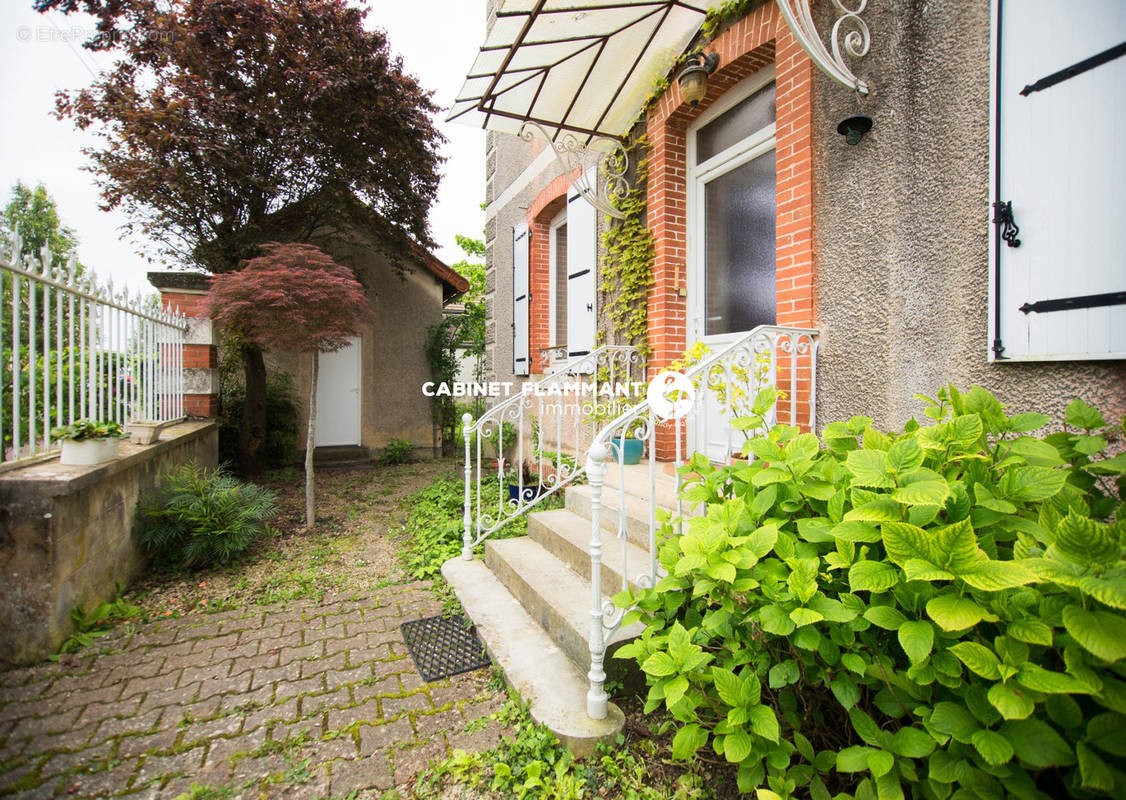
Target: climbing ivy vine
x=627, y=259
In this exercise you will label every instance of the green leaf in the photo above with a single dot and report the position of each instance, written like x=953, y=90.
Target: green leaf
x=1023, y=423
x=978, y=658
x=853, y=663
x=805, y=616
x=870, y=468
x=674, y=689
x=1032, y=483
x=775, y=620
x=854, y=531
x=1031, y=631
x=994, y=747
x=1011, y=703
x=904, y=542
x=1039, y=679
x=916, y=569
x=923, y=493
x=658, y=665
x=917, y=640
x=845, y=690
x=911, y=743
x=965, y=431
x=953, y=613
x=993, y=576
x=885, y=617
x=953, y=720
x=854, y=759
x=1108, y=733
x=905, y=455
x=879, y=510
x=1093, y=771
x=783, y=674
x=1109, y=591
x=762, y=541
x=737, y=746
x=1098, y=632
x=1036, y=452
x=687, y=741
x=728, y=685
x=1037, y=744
x=1083, y=416
x=880, y=762
x=764, y=722
x=872, y=576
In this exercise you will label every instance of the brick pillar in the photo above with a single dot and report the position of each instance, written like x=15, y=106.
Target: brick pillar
x=187, y=292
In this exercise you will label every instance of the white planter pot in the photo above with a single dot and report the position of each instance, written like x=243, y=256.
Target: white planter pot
x=86, y=452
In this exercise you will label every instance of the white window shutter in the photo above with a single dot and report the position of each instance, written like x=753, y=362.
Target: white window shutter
x=1061, y=294
x=582, y=255
x=520, y=361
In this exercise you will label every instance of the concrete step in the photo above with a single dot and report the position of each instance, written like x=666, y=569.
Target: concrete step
x=636, y=478
x=578, y=501
x=533, y=663
x=566, y=535
x=340, y=456
x=553, y=595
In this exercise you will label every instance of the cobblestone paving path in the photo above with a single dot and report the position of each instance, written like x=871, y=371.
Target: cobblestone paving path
x=305, y=700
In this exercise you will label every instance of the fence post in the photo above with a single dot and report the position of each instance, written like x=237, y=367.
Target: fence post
x=596, y=474
x=187, y=292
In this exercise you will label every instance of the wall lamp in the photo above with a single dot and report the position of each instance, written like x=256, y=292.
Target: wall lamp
x=693, y=79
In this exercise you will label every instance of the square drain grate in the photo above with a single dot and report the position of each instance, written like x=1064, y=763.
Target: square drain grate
x=442, y=646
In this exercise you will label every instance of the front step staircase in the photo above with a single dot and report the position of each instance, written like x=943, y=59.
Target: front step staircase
x=530, y=599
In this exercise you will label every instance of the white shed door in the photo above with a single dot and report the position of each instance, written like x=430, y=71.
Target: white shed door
x=582, y=255
x=1061, y=161
x=338, y=397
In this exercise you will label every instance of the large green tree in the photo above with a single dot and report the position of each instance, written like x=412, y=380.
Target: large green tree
x=223, y=117
x=35, y=214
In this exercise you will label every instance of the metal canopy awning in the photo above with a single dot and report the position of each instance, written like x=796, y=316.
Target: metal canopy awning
x=583, y=66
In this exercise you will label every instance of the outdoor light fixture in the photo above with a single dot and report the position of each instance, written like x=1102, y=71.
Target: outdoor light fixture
x=854, y=128
x=693, y=79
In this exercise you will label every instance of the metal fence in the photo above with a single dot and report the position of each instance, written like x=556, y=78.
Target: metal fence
x=74, y=348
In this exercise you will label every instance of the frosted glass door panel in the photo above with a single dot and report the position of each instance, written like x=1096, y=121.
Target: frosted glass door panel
x=740, y=248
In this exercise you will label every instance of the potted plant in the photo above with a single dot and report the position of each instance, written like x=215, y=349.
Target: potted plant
x=531, y=487
x=502, y=436
x=632, y=449
x=87, y=442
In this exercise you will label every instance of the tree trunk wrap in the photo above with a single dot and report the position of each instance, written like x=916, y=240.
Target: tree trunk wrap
x=252, y=434
x=310, y=500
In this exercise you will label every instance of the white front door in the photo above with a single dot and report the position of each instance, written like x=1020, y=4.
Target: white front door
x=338, y=396
x=732, y=241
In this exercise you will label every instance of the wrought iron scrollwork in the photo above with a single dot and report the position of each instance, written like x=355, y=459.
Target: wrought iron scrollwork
x=578, y=154
x=1003, y=216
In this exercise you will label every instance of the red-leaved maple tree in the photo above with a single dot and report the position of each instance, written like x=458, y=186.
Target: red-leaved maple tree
x=295, y=297
x=227, y=123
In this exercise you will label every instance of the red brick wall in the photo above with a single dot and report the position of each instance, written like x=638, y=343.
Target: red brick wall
x=757, y=40
x=196, y=356
x=543, y=209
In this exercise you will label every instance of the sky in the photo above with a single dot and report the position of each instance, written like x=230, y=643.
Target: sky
x=42, y=53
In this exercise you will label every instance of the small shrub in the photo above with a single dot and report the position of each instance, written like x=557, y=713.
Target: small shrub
x=282, y=430
x=934, y=613
x=200, y=517
x=85, y=429
x=88, y=626
x=397, y=451
x=504, y=433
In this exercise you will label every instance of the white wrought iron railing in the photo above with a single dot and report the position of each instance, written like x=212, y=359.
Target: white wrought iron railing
x=74, y=348
x=726, y=384
x=545, y=427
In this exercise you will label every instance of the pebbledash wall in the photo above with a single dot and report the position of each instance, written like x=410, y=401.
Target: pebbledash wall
x=901, y=231
x=883, y=246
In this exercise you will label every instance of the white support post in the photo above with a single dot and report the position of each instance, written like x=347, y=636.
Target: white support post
x=596, y=474
x=467, y=517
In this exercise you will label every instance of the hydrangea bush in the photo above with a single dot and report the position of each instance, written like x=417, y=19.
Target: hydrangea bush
x=934, y=613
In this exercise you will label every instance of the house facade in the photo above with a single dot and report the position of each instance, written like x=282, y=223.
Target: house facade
x=762, y=213
x=861, y=205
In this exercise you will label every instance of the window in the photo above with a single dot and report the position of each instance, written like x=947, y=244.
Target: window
x=558, y=278
x=1060, y=162
x=732, y=213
